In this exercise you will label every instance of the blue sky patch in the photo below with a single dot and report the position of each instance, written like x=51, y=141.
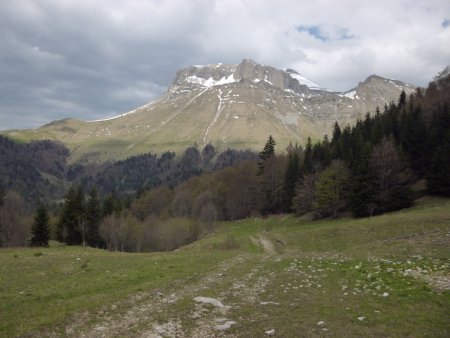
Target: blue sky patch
x=314, y=31
x=344, y=34
x=318, y=33
x=445, y=23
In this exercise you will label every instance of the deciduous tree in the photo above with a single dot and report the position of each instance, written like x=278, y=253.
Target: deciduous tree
x=332, y=189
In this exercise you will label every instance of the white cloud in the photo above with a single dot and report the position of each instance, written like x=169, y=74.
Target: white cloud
x=102, y=57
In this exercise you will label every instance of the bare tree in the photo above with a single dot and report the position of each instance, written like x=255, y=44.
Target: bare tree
x=110, y=231
x=391, y=173
x=13, y=231
x=305, y=194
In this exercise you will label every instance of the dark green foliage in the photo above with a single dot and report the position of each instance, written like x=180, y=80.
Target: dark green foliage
x=93, y=219
x=2, y=195
x=362, y=199
x=24, y=167
x=72, y=219
x=231, y=157
x=269, y=149
x=439, y=172
x=40, y=231
x=413, y=138
x=308, y=161
x=208, y=154
x=112, y=204
x=402, y=99
x=336, y=133
x=290, y=179
x=267, y=153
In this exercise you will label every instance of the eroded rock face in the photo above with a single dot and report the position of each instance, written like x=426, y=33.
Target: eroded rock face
x=301, y=106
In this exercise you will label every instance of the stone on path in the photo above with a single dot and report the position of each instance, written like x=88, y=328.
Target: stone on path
x=270, y=332
x=225, y=326
x=207, y=300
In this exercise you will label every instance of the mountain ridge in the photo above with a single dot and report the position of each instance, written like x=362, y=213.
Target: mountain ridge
x=229, y=106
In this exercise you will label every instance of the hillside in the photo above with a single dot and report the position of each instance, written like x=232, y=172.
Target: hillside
x=229, y=106
x=281, y=276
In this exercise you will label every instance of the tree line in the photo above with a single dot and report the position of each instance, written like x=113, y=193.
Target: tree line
x=367, y=169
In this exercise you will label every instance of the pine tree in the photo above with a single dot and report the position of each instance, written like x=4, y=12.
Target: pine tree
x=308, y=161
x=93, y=219
x=41, y=229
x=72, y=218
x=413, y=136
x=438, y=176
x=112, y=204
x=402, y=99
x=2, y=196
x=290, y=179
x=362, y=199
x=267, y=152
x=336, y=133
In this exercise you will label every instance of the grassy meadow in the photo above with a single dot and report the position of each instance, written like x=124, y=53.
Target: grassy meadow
x=281, y=276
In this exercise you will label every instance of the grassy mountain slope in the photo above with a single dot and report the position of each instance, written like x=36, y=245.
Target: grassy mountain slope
x=229, y=106
x=385, y=276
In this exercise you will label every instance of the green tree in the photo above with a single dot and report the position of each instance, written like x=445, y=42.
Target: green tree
x=438, y=176
x=267, y=152
x=269, y=149
x=332, y=189
x=72, y=219
x=402, y=99
x=40, y=231
x=112, y=204
x=308, y=160
x=362, y=199
x=290, y=179
x=2, y=196
x=93, y=219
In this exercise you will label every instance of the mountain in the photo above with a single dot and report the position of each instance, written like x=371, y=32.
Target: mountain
x=229, y=106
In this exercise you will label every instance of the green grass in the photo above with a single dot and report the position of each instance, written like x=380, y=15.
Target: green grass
x=334, y=271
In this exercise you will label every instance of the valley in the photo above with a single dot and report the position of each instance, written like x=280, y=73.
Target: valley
x=280, y=276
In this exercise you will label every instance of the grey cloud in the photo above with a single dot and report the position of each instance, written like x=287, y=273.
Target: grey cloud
x=92, y=59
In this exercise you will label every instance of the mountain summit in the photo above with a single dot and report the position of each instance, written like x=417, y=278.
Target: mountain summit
x=229, y=106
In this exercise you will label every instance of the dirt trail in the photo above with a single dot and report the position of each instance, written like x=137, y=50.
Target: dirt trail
x=153, y=314
x=176, y=313
x=264, y=243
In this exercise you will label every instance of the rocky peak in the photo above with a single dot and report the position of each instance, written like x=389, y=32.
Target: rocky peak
x=248, y=71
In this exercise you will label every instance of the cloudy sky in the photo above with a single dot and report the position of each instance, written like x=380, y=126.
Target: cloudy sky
x=91, y=59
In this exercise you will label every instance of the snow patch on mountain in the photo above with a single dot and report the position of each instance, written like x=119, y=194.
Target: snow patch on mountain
x=304, y=81
x=210, y=82
x=350, y=95
x=123, y=114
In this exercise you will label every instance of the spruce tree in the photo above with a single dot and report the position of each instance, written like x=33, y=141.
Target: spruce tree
x=438, y=176
x=290, y=179
x=269, y=149
x=40, y=231
x=267, y=152
x=308, y=161
x=2, y=196
x=72, y=219
x=93, y=219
